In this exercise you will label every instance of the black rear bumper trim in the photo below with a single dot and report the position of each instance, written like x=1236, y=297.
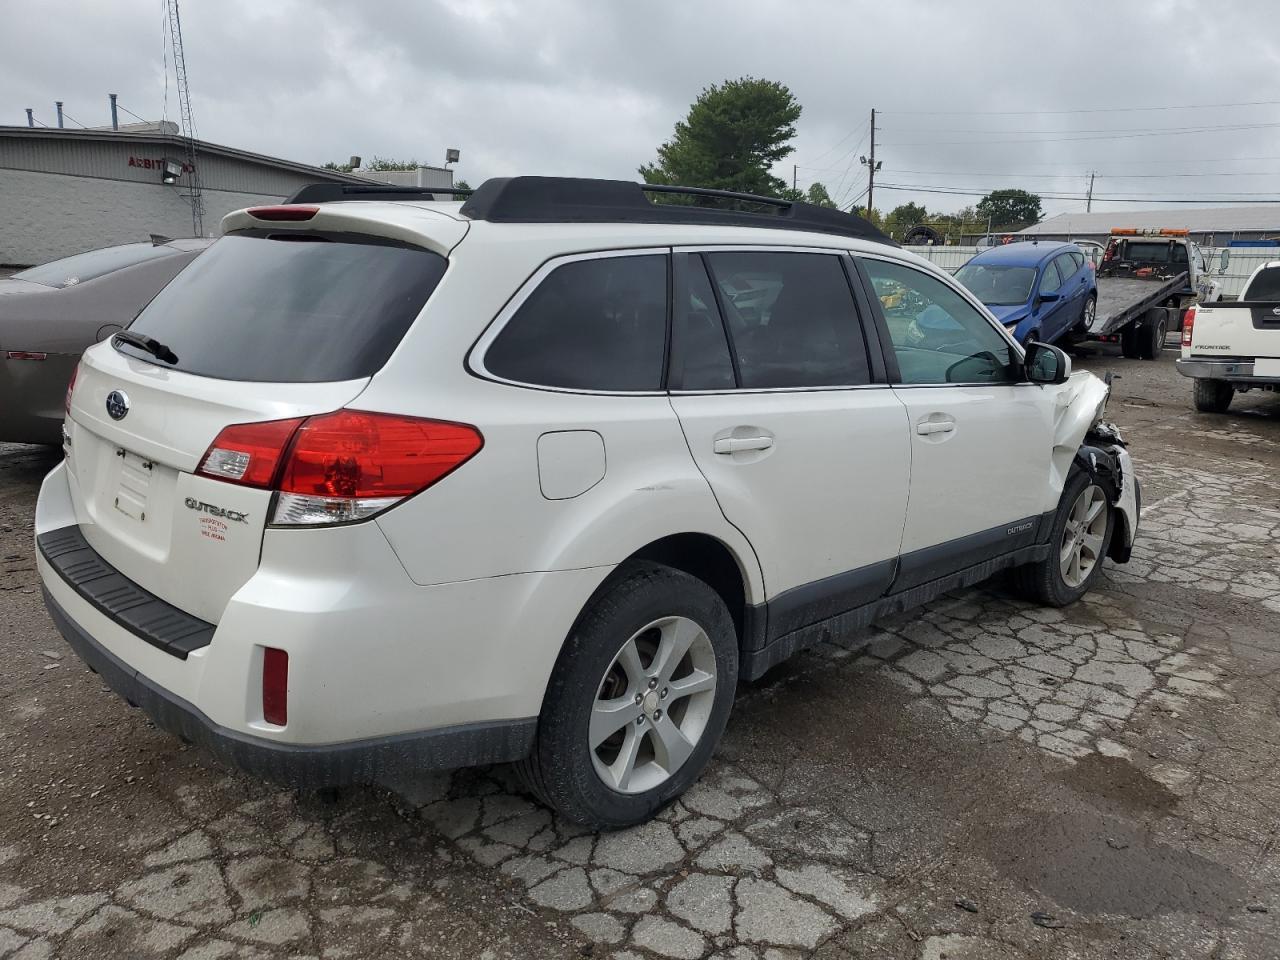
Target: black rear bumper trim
x=294, y=765
x=114, y=595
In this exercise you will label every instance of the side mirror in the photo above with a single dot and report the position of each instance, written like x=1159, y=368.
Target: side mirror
x=1045, y=363
x=1223, y=259
x=1049, y=297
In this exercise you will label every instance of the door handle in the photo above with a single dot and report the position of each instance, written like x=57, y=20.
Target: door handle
x=927, y=428
x=728, y=445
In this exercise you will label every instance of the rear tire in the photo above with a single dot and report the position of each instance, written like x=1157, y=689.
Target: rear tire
x=1078, y=543
x=1151, y=338
x=1213, y=396
x=615, y=715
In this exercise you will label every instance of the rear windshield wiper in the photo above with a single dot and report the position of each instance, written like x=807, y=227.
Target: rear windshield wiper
x=147, y=344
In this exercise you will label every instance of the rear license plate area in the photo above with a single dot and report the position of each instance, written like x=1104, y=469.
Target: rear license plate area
x=1266, y=367
x=135, y=485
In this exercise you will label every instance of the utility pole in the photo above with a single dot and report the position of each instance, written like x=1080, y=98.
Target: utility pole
x=793, y=176
x=1088, y=204
x=872, y=166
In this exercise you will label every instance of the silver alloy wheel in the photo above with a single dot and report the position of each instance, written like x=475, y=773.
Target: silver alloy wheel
x=652, y=705
x=1090, y=310
x=1081, y=548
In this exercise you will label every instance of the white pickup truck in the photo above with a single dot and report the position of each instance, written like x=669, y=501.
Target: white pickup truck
x=1234, y=346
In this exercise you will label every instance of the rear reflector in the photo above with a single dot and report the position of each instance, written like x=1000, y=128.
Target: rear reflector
x=284, y=213
x=25, y=355
x=275, y=686
x=1188, y=321
x=342, y=466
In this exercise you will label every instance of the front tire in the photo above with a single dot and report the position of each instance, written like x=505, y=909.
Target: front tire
x=638, y=699
x=1082, y=528
x=1212, y=396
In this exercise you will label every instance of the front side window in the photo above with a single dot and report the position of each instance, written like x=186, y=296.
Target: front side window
x=791, y=319
x=937, y=335
x=1051, y=282
x=597, y=324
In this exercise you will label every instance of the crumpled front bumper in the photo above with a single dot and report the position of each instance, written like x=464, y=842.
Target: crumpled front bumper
x=1105, y=457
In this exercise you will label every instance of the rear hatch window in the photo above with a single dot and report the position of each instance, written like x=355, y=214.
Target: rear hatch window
x=290, y=308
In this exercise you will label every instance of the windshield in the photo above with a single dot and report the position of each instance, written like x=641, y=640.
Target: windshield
x=89, y=266
x=997, y=285
x=275, y=309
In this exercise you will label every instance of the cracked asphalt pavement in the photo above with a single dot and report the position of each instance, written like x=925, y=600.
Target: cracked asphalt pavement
x=977, y=779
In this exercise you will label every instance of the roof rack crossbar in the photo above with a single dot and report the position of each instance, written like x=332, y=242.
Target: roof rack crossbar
x=335, y=192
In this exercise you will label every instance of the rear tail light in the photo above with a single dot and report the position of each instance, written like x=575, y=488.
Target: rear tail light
x=275, y=686
x=1188, y=321
x=248, y=453
x=342, y=466
x=71, y=386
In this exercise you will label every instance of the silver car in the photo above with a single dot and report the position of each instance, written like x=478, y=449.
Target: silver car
x=49, y=314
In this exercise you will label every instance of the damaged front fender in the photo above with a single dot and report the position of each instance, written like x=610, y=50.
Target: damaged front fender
x=1082, y=438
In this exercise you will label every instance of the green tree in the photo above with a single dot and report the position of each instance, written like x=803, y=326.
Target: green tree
x=462, y=185
x=818, y=195
x=874, y=217
x=383, y=163
x=903, y=217
x=733, y=135
x=1009, y=208
x=340, y=167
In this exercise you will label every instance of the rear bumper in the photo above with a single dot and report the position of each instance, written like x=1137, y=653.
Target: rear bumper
x=361, y=761
x=1237, y=371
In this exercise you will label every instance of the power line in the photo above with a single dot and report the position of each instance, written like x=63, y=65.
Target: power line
x=1025, y=113
x=858, y=130
x=1107, y=176
x=67, y=116
x=1148, y=198
x=1163, y=132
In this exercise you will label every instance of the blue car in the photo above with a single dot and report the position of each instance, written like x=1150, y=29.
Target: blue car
x=1039, y=291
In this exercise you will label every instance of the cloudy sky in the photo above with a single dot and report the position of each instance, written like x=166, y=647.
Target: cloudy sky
x=972, y=95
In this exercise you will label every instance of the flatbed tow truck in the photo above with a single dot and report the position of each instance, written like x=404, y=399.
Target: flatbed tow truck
x=1143, y=279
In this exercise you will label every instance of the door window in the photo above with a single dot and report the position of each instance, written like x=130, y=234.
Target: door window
x=699, y=351
x=937, y=335
x=1051, y=282
x=1066, y=266
x=791, y=319
x=597, y=324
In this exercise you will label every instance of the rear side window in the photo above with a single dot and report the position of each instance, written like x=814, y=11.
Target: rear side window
x=598, y=324
x=1265, y=286
x=69, y=271
x=791, y=318
x=273, y=309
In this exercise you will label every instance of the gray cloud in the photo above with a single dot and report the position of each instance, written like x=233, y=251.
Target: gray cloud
x=591, y=88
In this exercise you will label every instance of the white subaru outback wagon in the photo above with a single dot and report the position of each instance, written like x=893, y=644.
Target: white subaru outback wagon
x=380, y=484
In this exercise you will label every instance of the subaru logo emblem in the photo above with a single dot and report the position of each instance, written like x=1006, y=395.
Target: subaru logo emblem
x=1276, y=311
x=117, y=404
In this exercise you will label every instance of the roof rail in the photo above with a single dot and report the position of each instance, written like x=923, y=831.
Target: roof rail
x=335, y=192
x=580, y=200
